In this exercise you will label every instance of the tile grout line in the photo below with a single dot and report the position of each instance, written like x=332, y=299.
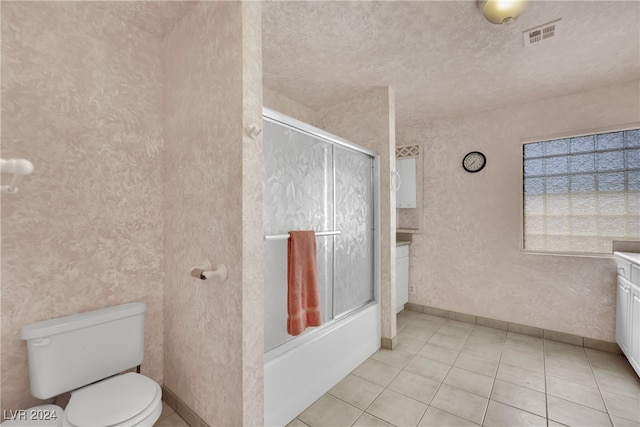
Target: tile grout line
x=495, y=377
x=445, y=376
x=595, y=377
x=450, y=368
x=420, y=344
x=413, y=357
x=544, y=372
x=416, y=355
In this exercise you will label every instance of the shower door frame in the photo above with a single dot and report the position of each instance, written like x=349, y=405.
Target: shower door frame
x=299, y=371
x=289, y=122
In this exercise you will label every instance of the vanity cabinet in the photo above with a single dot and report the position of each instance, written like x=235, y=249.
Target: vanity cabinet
x=623, y=320
x=402, y=276
x=628, y=307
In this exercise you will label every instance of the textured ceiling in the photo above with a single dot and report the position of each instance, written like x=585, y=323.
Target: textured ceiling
x=443, y=57
x=440, y=57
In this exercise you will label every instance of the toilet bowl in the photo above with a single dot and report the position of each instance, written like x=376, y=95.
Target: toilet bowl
x=84, y=354
x=124, y=401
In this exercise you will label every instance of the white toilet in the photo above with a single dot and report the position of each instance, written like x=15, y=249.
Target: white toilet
x=84, y=353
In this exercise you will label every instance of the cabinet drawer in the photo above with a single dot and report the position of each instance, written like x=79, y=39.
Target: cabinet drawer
x=624, y=268
x=402, y=251
x=635, y=274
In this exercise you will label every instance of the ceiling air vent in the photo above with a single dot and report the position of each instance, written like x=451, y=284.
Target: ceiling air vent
x=540, y=33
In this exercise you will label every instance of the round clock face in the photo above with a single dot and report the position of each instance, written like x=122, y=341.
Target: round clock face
x=474, y=161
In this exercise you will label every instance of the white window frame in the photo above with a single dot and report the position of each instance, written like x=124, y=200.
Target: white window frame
x=576, y=134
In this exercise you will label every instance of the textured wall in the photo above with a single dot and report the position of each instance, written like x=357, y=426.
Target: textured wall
x=369, y=120
x=213, y=358
x=282, y=104
x=252, y=242
x=80, y=99
x=468, y=258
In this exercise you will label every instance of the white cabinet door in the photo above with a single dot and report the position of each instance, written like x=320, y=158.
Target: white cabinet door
x=402, y=277
x=406, y=194
x=623, y=299
x=634, y=333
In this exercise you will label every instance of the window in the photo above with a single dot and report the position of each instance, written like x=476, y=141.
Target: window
x=581, y=193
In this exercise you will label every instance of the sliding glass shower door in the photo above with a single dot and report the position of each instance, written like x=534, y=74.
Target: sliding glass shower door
x=314, y=183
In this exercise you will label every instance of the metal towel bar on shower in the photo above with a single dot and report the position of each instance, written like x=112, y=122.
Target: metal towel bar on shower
x=286, y=236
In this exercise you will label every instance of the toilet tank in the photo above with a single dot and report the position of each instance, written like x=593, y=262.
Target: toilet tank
x=72, y=351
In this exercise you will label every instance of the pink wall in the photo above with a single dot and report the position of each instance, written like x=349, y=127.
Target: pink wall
x=81, y=97
x=213, y=210
x=468, y=257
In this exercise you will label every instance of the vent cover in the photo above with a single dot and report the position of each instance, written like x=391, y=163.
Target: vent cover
x=540, y=33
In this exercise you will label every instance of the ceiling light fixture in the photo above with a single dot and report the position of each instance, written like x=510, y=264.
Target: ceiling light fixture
x=501, y=11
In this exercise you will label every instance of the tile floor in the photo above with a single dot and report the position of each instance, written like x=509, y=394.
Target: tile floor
x=169, y=418
x=448, y=373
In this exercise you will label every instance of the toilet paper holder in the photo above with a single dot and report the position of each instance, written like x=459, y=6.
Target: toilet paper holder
x=205, y=271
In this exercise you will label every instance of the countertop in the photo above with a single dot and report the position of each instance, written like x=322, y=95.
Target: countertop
x=633, y=257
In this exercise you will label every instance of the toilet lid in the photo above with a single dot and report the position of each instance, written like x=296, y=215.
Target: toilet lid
x=111, y=401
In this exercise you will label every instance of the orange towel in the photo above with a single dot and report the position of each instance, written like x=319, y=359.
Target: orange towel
x=303, y=300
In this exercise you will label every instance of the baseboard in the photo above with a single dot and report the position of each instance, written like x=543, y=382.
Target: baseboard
x=182, y=409
x=586, y=342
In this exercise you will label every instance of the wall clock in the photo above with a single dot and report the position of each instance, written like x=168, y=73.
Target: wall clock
x=474, y=161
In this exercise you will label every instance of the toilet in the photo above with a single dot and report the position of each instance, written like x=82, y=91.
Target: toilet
x=85, y=354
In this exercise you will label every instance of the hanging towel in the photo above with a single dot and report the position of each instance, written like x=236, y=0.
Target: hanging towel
x=303, y=301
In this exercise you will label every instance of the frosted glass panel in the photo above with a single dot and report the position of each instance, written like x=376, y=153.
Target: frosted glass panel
x=611, y=225
x=535, y=149
x=582, y=163
x=613, y=181
x=558, y=243
x=354, y=217
x=558, y=225
x=583, y=183
x=633, y=180
x=633, y=159
x=534, y=205
x=556, y=147
x=534, y=167
x=534, y=224
x=582, y=144
x=612, y=203
x=608, y=141
x=556, y=165
x=298, y=181
x=298, y=195
x=583, y=204
x=584, y=225
x=557, y=184
x=534, y=185
x=557, y=204
x=633, y=225
x=633, y=202
x=610, y=160
x=580, y=193
x=315, y=184
x=632, y=138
